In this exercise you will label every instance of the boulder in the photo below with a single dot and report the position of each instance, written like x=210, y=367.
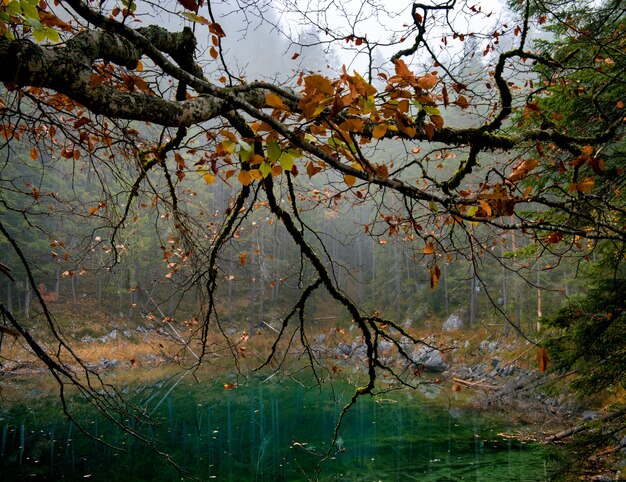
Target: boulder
x=455, y=322
x=429, y=359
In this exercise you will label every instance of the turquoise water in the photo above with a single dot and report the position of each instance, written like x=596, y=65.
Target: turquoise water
x=266, y=431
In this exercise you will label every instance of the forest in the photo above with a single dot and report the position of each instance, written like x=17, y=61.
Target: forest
x=289, y=185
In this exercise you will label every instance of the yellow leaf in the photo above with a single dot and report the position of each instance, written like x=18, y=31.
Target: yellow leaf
x=208, y=178
x=139, y=67
x=350, y=180
x=379, y=131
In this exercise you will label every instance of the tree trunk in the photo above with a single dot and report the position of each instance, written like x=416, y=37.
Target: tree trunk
x=539, y=307
x=504, y=294
x=9, y=297
x=446, y=293
x=27, y=300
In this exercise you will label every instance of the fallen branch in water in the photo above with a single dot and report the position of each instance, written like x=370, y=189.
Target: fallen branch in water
x=581, y=428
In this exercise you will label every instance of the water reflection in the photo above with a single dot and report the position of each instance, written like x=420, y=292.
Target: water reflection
x=267, y=432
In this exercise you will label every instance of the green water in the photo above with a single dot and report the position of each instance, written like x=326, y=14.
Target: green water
x=266, y=431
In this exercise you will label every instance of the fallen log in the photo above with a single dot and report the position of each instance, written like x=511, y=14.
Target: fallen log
x=477, y=384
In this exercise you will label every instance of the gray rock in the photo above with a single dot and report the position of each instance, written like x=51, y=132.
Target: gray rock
x=87, y=339
x=455, y=322
x=360, y=351
x=127, y=334
x=429, y=358
x=489, y=346
x=384, y=345
x=106, y=363
x=589, y=415
x=343, y=349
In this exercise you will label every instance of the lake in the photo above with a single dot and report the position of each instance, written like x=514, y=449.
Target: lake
x=265, y=430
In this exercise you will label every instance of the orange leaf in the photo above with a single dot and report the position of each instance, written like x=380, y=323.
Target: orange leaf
x=554, y=237
x=272, y=100
x=402, y=70
x=245, y=177
x=583, y=186
x=242, y=258
x=587, y=150
x=319, y=83
x=522, y=168
x=352, y=125
x=216, y=29
x=429, y=248
x=462, y=102
x=435, y=274
x=379, y=131
x=427, y=81
x=543, y=359
x=34, y=154
x=179, y=160
x=456, y=387
x=437, y=120
x=213, y=53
